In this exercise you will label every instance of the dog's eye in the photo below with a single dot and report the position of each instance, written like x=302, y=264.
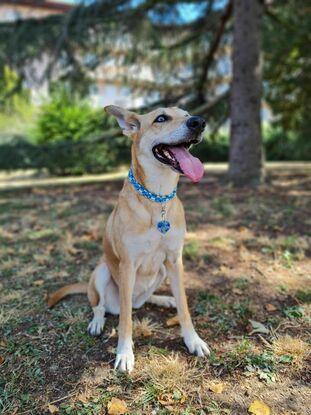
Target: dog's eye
x=161, y=118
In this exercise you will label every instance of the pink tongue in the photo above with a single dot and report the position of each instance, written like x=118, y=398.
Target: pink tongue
x=190, y=165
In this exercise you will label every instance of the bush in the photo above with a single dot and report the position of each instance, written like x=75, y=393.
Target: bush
x=66, y=138
x=281, y=145
x=212, y=148
x=63, y=157
x=66, y=118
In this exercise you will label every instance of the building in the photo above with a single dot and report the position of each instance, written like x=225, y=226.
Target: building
x=11, y=10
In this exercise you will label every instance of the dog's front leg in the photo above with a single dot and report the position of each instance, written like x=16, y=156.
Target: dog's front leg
x=192, y=340
x=125, y=355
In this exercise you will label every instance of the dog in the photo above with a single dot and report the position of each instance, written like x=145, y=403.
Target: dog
x=145, y=232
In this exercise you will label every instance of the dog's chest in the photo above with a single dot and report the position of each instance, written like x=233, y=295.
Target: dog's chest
x=152, y=247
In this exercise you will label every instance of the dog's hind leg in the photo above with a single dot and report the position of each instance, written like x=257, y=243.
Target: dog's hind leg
x=166, y=301
x=96, y=295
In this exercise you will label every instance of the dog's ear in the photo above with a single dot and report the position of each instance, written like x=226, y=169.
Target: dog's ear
x=127, y=120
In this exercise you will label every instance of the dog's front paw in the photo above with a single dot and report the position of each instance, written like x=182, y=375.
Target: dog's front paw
x=125, y=361
x=96, y=326
x=196, y=345
x=165, y=301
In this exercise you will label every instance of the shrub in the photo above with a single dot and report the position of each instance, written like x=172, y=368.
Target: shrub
x=63, y=157
x=65, y=140
x=213, y=148
x=283, y=145
x=13, y=96
x=66, y=118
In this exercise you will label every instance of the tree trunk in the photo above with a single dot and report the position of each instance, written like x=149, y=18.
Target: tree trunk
x=246, y=153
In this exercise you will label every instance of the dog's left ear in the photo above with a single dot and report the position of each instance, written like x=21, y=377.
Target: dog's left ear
x=127, y=120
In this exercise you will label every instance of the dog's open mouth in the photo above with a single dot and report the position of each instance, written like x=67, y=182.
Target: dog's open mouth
x=179, y=158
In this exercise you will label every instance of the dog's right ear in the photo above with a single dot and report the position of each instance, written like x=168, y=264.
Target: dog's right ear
x=127, y=120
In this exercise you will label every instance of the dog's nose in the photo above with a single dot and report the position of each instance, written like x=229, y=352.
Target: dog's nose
x=196, y=124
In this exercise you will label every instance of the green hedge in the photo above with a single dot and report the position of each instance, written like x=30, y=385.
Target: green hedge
x=64, y=157
x=67, y=157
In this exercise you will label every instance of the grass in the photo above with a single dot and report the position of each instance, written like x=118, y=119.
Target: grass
x=191, y=250
x=144, y=327
x=293, y=347
x=247, y=259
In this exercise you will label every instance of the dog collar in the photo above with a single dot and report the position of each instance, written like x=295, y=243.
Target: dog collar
x=149, y=195
x=163, y=225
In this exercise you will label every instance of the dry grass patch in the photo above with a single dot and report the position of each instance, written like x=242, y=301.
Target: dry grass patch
x=97, y=376
x=10, y=263
x=144, y=327
x=73, y=317
x=5, y=316
x=167, y=373
x=286, y=345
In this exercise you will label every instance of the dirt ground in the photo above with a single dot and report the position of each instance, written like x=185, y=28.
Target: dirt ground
x=248, y=270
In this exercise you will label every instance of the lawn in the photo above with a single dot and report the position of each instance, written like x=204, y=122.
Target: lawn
x=248, y=268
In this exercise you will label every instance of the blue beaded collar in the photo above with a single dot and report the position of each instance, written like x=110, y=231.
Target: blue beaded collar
x=149, y=195
x=163, y=225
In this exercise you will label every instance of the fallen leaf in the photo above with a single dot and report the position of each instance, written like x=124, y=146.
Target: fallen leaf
x=52, y=409
x=3, y=343
x=258, y=327
x=217, y=387
x=37, y=283
x=68, y=245
x=259, y=408
x=113, y=333
x=237, y=291
x=41, y=259
x=83, y=397
x=116, y=407
x=166, y=399
x=270, y=307
x=2, y=359
x=173, y=321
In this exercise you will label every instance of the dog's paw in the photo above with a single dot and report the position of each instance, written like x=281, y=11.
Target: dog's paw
x=96, y=326
x=125, y=361
x=165, y=301
x=168, y=301
x=196, y=345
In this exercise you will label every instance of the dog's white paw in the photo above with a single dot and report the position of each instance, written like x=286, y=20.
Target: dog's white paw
x=166, y=301
x=125, y=361
x=96, y=326
x=196, y=345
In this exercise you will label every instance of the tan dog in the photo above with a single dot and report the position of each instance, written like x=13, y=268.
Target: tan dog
x=137, y=256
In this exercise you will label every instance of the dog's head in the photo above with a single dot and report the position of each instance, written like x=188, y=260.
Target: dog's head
x=164, y=136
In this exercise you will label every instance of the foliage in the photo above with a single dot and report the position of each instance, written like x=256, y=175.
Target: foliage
x=286, y=145
x=214, y=147
x=65, y=150
x=63, y=157
x=287, y=69
x=67, y=118
x=66, y=140
x=13, y=96
x=188, y=59
x=181, y=58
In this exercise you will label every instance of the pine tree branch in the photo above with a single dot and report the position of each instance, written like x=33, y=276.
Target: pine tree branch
x=213, y=48
x=208, y=106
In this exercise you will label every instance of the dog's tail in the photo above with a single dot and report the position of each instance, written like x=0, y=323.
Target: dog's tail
x=78, y=288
